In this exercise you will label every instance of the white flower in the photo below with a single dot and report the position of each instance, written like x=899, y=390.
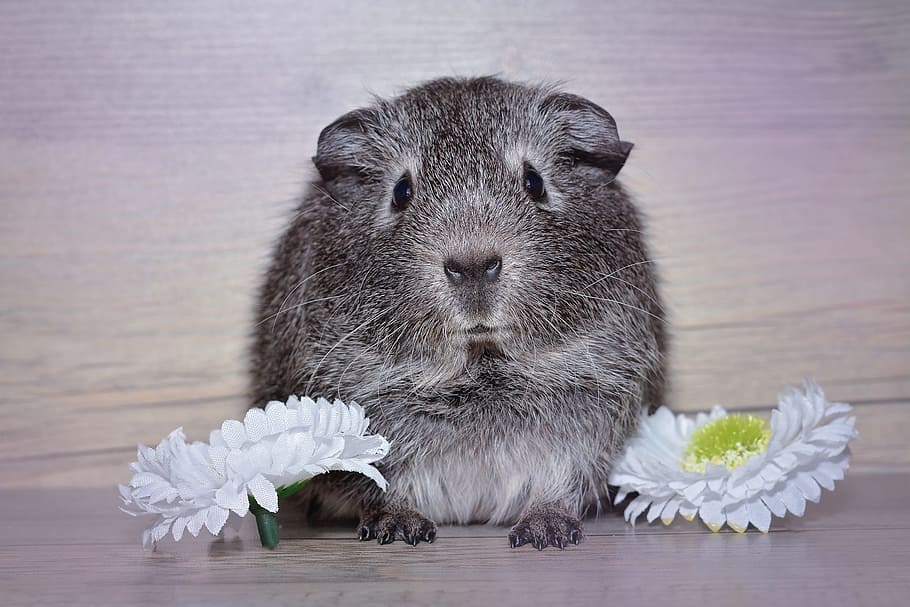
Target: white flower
x=199, y=484
x=733, y=469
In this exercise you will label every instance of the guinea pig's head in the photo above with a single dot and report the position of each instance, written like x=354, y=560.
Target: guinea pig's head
x=483, y=216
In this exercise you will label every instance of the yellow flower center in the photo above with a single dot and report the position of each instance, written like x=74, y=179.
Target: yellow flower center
x=728, y=441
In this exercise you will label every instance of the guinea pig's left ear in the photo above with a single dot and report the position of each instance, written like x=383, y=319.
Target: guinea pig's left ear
x=591, y=131
x=343, y=145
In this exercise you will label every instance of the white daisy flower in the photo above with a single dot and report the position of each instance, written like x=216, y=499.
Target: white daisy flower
x=247, y=466
x=736, y=469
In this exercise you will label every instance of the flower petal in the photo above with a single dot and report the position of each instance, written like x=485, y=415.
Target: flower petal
x=774, y=504
x=179, y=526
x=738, y=517
x=263, y=491
x=793, y=499
x=233, y=433
x=277, y=415
x=196, y=521
x=807, y=485
x=712, y=513
x=216, y=519
x=655, y=509
x=635, y=508
x=255, y=424
x=759, y=515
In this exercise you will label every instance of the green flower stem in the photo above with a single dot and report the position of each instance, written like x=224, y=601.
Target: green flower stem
x=267, y=523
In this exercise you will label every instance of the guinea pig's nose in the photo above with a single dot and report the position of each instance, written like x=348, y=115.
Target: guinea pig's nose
x=482, y=270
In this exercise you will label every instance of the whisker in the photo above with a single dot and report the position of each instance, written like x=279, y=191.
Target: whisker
x=297, y=286
x=614, y=272
x=620, y=303
x=300, y=305
x=640, y=290
x=324, y=192
x=338, y=343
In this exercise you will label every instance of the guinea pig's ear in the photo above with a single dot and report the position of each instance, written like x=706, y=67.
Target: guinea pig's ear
x=342, y=145
x=593, y=137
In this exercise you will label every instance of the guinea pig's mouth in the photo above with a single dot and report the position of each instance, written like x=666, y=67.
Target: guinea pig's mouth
x=480, y=330
x=484, y=338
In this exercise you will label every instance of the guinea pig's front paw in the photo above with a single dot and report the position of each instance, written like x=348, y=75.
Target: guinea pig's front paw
x=543, y=526
x=386, y=526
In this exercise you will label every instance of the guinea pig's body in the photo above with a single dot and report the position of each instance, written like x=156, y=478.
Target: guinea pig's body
x=468, y=269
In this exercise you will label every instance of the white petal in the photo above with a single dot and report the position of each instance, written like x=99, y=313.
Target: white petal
x=738, y=517
x=712, y=513
x=670, y=510
x=775, y=504
x=216, y=439
x=822, y=479
x=807, y=485
x=620, y=494
x=655, y=509
x=692, y=492
x=179, y=526
x=263, y=491
x=196, y=521
x=158, y=532
x=837, y=409
x=636, y=507
x=216, y=519
x=232, y=497
x=771, y=473
x=832, y=470
x=256, y=424
x=687, y=510
x=218, y=456
x=277, y=415
x=759, y=515
x=365, y=469
x=233, y=433
x=793, y=499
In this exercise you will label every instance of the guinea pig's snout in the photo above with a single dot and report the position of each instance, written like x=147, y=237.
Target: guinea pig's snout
x=473, y=271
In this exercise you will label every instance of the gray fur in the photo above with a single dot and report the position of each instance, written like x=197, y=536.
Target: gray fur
x=484, y=428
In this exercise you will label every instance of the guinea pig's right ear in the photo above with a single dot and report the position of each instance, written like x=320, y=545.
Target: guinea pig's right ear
x=591, y=130
x=342, y=145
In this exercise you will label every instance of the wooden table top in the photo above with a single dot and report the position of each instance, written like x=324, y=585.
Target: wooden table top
x=73, y=547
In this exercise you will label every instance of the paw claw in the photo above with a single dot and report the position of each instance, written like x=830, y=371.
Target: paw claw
x=546, y=526
x=404, y=524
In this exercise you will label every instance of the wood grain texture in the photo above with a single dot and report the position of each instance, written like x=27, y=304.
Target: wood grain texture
x=851, y=549
x=149, y=154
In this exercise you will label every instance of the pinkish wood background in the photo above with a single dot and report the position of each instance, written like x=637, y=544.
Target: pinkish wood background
x=150, y=151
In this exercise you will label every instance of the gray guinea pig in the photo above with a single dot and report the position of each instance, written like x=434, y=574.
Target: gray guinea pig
x=468, y=269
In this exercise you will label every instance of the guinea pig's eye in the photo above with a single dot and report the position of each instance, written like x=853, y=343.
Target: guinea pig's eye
x=402, y=194
x=534, y=184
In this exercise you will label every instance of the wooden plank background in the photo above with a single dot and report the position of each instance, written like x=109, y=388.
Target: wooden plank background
x=150, y=152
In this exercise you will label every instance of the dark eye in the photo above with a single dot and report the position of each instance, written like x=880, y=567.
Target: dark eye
x=402, y=194
x=534, y=184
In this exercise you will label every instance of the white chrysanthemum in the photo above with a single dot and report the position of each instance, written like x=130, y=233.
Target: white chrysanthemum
x=734, y=469
x=272, y=451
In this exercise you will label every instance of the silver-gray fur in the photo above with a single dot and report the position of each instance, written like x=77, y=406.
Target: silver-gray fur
x=508, y=396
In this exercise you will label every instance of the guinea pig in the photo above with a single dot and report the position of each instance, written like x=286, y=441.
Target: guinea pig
x=467, y=267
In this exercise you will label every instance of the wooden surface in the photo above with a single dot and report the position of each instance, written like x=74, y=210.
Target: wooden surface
x=61, y=547
x=149, y=153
